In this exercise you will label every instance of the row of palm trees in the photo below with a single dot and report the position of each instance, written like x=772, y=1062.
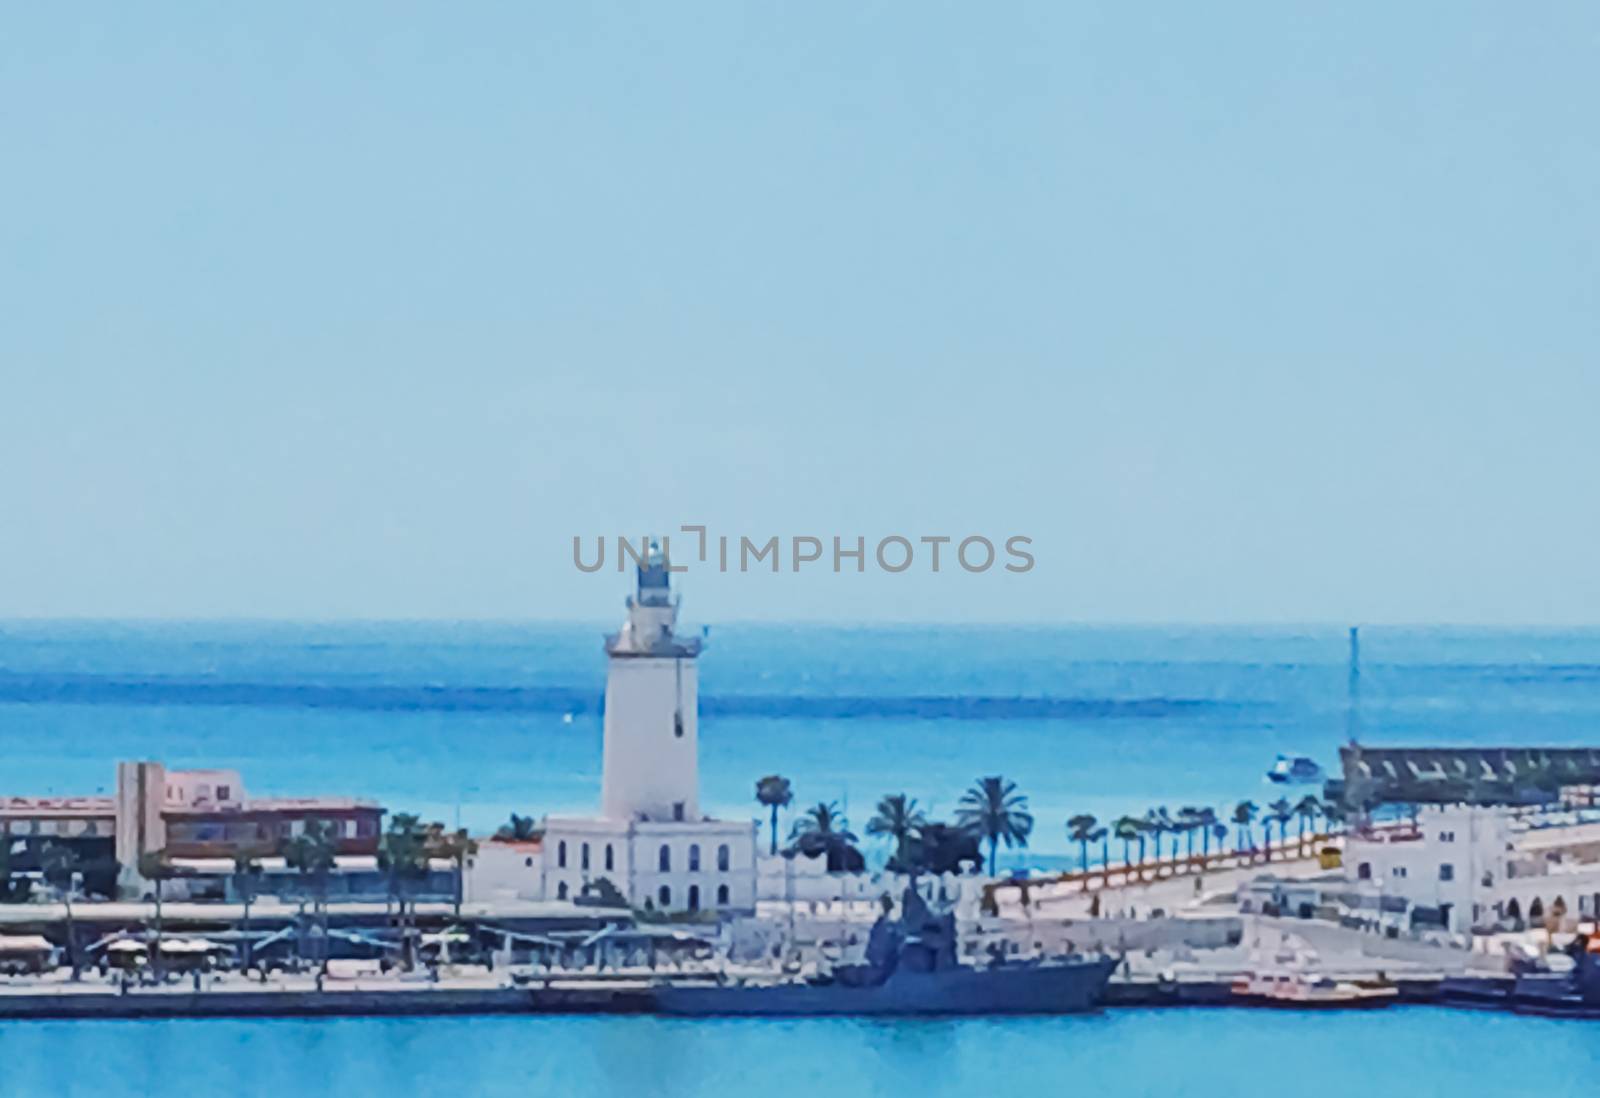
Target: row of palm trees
x=1206, y=824
x=991, y=811
x=995, y=813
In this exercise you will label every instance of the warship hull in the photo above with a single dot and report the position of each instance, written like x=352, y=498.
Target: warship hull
x=1021, y=989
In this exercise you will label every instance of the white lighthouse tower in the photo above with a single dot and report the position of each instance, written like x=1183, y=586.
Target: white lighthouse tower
x=652, y=709
x=650, y=841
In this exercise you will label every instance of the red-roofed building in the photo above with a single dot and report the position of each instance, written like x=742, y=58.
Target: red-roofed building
x=179, y=813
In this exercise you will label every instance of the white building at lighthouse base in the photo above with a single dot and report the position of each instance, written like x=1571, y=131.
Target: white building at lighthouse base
x=658, y=865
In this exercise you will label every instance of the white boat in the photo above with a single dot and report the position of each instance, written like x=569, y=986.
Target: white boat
x=1308, y=991
x=1292, y=979
x=1296, y=771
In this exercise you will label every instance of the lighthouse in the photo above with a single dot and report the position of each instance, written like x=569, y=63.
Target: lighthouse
x=651, y=753
x=651, y=842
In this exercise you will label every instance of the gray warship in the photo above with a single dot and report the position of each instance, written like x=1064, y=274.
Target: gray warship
x=911, y=968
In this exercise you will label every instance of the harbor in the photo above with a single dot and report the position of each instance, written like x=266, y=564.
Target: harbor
x=1461, y=877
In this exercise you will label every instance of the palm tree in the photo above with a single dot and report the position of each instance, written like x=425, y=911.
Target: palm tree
x=1160, y=823
x=898, y=818
x=1129, y=829
x=775, y=792
x=155, y=868
x=1206, y=821
x=994, y=811
x=246, y=875
x=59, y=864
x=403, y=856
x=313, y=852
x=1081, y=829
x=1278, y=812
x=1309, y=808
x=823, y=829
x=1244, y=814
x=1334, y=812
x=457, y=846
x=1188, y=820
x=1102, y=836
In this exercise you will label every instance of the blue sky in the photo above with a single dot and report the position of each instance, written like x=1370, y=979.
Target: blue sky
x=1242, y=312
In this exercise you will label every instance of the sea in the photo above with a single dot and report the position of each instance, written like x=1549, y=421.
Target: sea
x=468, y=723
x=471, y=722
x=1417, y=1052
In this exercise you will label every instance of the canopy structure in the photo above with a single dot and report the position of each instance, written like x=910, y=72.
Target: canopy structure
x=1375, y=776
x=24, y=945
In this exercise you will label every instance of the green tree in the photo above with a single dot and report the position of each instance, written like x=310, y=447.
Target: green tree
x=246, y=878
x=1335, y=813
x=1102, y=835
x=155, y=867
x=1278, y=812
x=1206, y=821
x=994, y=811
x=1130, y=830
x=898, y=819
x=520, y=829
x=1158, y=823
x=403, y=857
x=1244, y=815
x=1080, y=829
x=313, y=853
x=823, y=829
x=774, y=792
x=1308, y=809
x=455, y=846
x=1188, y=820
x=59, y=864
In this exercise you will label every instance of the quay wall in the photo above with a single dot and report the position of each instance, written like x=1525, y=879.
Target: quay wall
x=311, y=1003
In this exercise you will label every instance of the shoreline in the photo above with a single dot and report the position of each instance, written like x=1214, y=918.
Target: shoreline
x=572, y=997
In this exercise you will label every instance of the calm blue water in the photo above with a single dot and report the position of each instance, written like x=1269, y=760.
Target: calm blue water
x=1242, y=1054
x=475, y=721
x=429, y=717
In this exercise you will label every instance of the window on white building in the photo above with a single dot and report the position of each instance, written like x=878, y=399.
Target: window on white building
x=1447, y=872
x=722, y=895
x=664, y=859
x=694, y=857
x=694, y=897
x=665, y=896
x=561, y=855
x=610, y=860
x=583, y=857
x=1399, y=871
x=561, y=891
x=722, y=858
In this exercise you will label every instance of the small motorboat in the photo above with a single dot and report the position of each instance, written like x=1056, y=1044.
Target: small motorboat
x=1299, y=770
x=1292, y=979
x=1309, y=991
